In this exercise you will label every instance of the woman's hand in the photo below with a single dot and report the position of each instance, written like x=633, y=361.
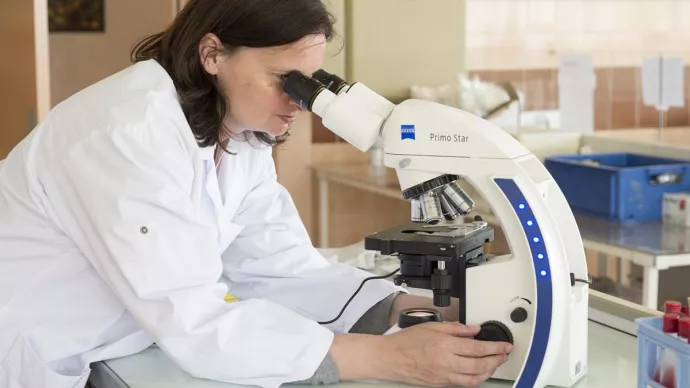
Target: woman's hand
x=442, y=354
x=429, y=354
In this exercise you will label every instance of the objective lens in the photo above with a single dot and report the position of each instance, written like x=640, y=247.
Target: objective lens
x=431, y=207
x=417, y=213
x=458, y=199
x=449, y=212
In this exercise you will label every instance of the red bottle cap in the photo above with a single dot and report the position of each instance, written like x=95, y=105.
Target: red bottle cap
x=670, y=323
x=672, y=306
x=684, y=327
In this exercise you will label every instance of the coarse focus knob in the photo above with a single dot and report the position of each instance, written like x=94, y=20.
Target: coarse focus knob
x=494, y=331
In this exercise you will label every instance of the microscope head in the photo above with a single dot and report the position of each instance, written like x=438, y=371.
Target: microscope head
x=358, y=114
x=354, y=112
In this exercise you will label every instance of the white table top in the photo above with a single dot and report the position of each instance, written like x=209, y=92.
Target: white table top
x=612, y=358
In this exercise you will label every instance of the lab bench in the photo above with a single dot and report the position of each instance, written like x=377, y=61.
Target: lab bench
x=651, y=245
x=612, y=353
x=612, y=360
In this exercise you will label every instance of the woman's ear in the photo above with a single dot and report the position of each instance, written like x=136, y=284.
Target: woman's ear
x=210, y=53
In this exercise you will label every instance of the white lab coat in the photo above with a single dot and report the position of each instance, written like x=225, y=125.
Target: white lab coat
x=117, y=231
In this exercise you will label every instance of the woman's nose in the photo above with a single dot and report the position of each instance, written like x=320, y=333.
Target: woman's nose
x=294, y=104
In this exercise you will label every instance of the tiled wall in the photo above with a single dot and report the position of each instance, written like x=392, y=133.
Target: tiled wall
x=520, y=41
x=617, y=97
x=529, y=34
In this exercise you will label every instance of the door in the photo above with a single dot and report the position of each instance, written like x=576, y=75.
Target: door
x=24, y=71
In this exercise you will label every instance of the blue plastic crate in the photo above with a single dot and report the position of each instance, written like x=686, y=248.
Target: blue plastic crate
x=620, y=187
x=652, y=342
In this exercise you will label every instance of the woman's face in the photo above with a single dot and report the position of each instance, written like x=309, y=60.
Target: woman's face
x=251, y=80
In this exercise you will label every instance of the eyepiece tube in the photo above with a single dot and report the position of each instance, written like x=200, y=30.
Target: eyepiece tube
x=332, y=82
x=302, y=89
x=348, y=115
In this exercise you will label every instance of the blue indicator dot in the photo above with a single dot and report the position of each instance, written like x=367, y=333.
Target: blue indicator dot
x=543, y=272
x=530, y=223
x=536, y=239
x=540, y=256
x=521, y=206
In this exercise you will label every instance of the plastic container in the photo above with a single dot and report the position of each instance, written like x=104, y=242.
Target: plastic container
x=654, y=346
x=672, y=306
x=620, y=187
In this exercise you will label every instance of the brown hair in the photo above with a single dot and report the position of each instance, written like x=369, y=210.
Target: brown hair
x=237, y=23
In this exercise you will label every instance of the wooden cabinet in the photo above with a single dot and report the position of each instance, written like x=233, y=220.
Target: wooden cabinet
x=25, y=94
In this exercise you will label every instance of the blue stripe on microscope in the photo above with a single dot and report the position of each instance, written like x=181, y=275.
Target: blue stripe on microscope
x=542, y=273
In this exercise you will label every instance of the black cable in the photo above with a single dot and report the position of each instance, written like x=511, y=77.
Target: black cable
x=353, y=295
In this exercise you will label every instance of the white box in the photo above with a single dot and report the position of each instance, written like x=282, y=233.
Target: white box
x=675, y=208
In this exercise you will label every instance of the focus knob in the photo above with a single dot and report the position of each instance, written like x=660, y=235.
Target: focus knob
x=494, y=331
x=441, y=300
x=518, y=315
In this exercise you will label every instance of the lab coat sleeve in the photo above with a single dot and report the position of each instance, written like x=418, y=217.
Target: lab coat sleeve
x=273, y=258
x=123, y=196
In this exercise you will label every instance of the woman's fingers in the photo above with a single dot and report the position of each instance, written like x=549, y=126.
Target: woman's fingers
x=469, y=347
x=469, y=380
x=456, y=329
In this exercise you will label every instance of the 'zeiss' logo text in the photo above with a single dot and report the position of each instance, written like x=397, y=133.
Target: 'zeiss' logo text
x=407, y=132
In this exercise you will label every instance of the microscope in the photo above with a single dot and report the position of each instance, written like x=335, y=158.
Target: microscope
x=535, y=297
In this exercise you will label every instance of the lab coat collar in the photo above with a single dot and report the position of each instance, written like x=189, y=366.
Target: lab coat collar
x=207, y=153
x=161, y=80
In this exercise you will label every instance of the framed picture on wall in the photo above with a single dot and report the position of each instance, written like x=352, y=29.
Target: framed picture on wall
x=76, y=15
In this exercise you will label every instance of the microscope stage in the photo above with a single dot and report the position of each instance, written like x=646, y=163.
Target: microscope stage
x=452, y=240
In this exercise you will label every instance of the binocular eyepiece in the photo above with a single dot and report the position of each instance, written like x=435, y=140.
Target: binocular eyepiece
x=304, y=89
x=332, y=82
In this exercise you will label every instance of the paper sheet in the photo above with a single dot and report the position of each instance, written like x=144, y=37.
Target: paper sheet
x=662, y=82
x=576, y=84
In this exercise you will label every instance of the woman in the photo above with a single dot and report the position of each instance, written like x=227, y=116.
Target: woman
x=133, y=210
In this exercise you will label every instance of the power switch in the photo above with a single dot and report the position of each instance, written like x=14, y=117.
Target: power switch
x=518, y=315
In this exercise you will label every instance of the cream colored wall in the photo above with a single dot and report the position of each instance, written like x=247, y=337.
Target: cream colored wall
x=80, y=59
x=393, y=44
x=335, y=57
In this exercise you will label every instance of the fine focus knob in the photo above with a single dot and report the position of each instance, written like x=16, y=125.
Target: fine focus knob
x=518, y=315
x=494, y=331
